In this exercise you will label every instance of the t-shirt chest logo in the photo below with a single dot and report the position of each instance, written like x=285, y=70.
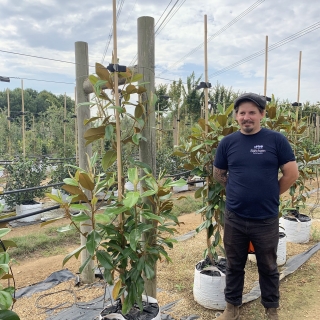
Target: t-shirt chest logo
x=258, y=149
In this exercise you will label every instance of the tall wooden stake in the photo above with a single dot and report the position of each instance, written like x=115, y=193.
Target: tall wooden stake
x=178, y=123
x=116, y=99
x=23, y=124
x=9, y=124
x=64, y=124
x=75, y=124
x=298, y=95
x=206, y=115
x=266, y=68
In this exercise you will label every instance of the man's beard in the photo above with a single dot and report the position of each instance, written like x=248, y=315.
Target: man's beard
x=247, y=129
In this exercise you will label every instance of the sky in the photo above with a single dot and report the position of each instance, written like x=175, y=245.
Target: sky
x=34, y=32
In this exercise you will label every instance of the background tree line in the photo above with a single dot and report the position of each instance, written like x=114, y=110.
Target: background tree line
x=45, y=121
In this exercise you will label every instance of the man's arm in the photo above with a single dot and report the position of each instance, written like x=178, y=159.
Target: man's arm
x=290, y=174
x=220, y=175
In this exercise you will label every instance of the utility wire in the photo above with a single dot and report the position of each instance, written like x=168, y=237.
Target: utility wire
x=166, y=16
x=232, y=22
x=111, y=30
x=134, y=60
x=41, y=80
x=163, y=13
x=270, y=48
x=159, y=30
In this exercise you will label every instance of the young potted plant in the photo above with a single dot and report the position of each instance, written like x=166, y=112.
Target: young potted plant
x=6, y=292
x=118, y=228
x=281, y=118
x=129, y=233
x=25, y=173
x=198, y=153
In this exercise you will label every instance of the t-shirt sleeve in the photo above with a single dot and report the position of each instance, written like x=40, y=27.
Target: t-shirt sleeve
x=220, y=159
x=285, y=151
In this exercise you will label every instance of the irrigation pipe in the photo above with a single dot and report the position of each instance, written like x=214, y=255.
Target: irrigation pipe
x=31, y=189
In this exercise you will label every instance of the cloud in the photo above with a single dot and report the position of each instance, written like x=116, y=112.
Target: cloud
x=49, y=28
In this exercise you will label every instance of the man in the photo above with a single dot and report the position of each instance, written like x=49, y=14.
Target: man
x=247, y=163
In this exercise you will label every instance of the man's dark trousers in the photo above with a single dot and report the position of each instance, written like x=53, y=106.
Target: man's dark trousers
x=264, y=235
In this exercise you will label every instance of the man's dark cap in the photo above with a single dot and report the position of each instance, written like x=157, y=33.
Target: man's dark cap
x=260, y=101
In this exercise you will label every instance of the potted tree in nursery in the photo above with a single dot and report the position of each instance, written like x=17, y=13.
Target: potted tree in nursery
x=198, y=153
x=6, y=292
x=118, y=229
x=295, y=224
x=129, y=234
x=25, y=173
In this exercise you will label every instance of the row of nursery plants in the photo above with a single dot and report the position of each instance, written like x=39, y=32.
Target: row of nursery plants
x=130, y=232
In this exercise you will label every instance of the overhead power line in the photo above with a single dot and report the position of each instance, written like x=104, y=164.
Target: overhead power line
x=134, y=60
x=232, y=22
x=111, y=30
x=41, y=80
x=278, y=44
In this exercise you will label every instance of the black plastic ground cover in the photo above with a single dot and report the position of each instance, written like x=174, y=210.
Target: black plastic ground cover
x=291, y=266
x=54, y=279
x=91, y=310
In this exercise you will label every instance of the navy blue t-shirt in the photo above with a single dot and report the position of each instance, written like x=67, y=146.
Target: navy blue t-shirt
x=253, y=162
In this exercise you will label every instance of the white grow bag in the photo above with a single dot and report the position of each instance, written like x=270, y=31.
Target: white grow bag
x=120, y=316
x=281, y=252
x=208, y=291
x=296, y=231
x=180, y=189
x=28, y=208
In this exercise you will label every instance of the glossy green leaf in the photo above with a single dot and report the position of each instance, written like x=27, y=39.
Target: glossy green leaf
x=109, y=131
x=85, y=263
x=80, y=217
x=134, y=238
x=74, y=253
x=8, y=314
x=133, y=175
x=105, y=259
x=178, y=183
x=4, y=231
x=70, y=182
x=5, y=300
x=108, y=159
x=131, y=198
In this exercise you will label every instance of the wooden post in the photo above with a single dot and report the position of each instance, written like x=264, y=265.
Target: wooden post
x=317, y=129
x=178, y=123
x=158, y=126
x=75, y=124
x=116, y=99
x=206, y=73
x=266, y=68
x=298, y=97
x=9, y=124
x=64, y=124
x=34, y=136
x=82, y=72
x=146, y=65
x=23, y=124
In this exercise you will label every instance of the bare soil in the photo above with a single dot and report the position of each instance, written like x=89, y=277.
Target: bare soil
x=300, y=292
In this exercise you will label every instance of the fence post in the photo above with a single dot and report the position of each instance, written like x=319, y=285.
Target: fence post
x=82, y=72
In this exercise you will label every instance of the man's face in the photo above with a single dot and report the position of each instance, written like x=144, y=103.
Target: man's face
x=249, y=117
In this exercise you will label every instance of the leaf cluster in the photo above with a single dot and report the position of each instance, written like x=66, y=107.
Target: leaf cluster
x=6, y=293
x=198, y=152
x=119, y=241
